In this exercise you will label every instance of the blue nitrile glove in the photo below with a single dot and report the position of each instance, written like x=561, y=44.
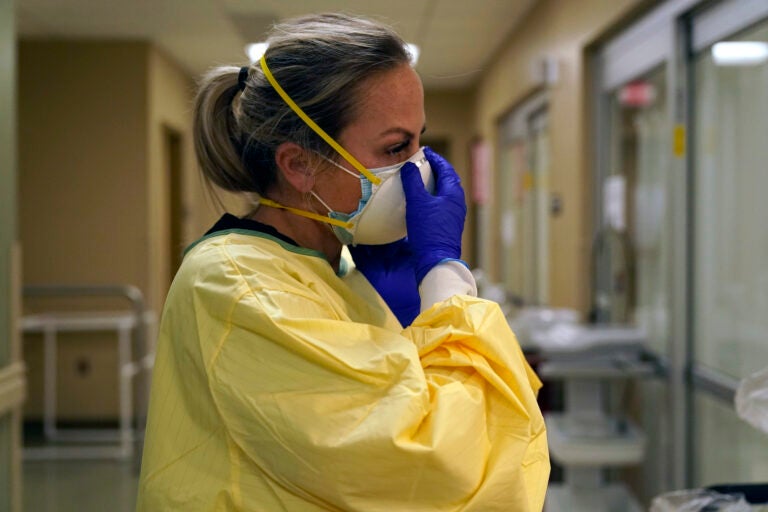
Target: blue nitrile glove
x=389, y=268
x=434, y=222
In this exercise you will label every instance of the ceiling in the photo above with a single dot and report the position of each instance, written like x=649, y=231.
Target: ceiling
x=456, y=37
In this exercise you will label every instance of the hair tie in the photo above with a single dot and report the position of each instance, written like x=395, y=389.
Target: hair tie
x=242, y=77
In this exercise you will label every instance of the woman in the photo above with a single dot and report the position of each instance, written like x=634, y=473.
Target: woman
x=283, y=379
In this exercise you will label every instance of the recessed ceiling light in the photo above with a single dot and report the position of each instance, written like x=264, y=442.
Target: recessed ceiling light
x=740, y=53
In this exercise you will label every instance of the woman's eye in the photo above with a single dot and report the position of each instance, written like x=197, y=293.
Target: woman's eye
x=399, y=148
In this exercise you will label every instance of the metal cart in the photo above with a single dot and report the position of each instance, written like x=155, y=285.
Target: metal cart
x=135, y=360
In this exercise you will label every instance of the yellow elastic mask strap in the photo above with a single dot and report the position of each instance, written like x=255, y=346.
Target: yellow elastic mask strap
x=304, y=213
x=304, y=117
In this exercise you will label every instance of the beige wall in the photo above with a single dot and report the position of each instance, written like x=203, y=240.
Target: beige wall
x=560, y=29
x=83, y=161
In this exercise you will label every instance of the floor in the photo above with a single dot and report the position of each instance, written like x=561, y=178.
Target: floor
x=64, y=485
x=82, y=486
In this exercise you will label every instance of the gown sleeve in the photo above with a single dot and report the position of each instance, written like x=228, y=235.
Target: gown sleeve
x=351, y=416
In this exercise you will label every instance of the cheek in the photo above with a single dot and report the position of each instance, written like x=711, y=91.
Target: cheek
x=350, y=195
x=342, y=194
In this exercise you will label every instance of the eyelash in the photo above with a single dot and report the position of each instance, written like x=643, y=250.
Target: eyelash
x=399, y=148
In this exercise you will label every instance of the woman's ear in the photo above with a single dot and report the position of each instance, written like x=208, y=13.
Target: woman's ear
x=294, y=162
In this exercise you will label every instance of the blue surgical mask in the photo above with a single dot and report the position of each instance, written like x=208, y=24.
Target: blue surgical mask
x=344, y=235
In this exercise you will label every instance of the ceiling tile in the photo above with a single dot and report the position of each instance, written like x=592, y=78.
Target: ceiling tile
x=456, y=37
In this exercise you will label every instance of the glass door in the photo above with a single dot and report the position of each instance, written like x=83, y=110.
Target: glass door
x=524, y=202
x=634, y=242
x=636, y=229
x=730, y=324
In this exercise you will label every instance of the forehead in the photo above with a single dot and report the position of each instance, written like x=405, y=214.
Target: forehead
x=395, y=96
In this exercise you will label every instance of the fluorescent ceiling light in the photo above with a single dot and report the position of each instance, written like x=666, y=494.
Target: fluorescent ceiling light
x=740, y=53
x=255, y=51
x=414, y=51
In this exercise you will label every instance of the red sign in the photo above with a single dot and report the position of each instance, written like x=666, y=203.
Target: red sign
x=481, y=170
x=637, y=94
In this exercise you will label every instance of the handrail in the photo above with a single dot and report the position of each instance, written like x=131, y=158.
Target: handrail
x=715, y=383
x=702, y=378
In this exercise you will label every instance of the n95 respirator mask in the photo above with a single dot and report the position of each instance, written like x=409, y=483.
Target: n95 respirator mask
x=380, y=214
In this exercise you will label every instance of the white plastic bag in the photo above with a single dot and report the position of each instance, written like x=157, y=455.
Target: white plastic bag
x=696, y=500
x=752, y=400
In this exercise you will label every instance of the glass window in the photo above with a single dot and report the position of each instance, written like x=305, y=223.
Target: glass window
x=633, y=247
x=731, y=180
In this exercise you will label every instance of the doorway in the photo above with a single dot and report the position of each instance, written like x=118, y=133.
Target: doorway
x=173, y=150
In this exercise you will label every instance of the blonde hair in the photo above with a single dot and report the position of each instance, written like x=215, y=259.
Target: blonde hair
x=320, y=61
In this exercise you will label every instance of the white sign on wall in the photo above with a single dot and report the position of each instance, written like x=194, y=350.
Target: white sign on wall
x=614, y=202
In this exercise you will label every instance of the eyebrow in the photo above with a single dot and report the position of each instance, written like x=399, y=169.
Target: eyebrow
x=397, y=129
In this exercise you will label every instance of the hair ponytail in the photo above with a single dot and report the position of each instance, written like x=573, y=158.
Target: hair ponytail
x=218, y=139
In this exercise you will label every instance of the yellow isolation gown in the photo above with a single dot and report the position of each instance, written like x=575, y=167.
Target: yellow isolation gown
x=282, y=386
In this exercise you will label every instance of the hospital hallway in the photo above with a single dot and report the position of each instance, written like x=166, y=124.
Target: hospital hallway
x=613, y=156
